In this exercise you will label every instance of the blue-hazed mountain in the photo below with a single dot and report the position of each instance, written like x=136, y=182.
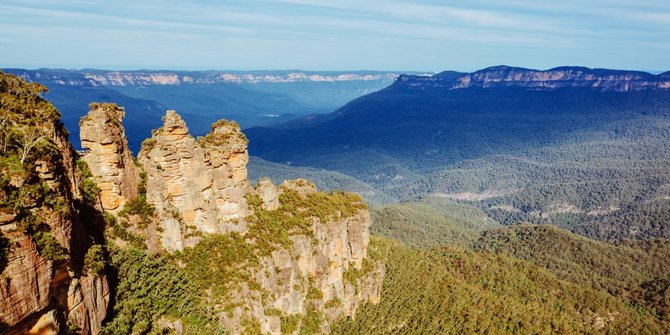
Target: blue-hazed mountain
x=587, y=149
x=251, y=98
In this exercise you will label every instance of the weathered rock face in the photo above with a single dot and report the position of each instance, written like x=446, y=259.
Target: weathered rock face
x=326, y=273
x=27, y=290
x=109, y=158
x=269, y=194
x=36, y=296
x=196, y=186
x=87, y=301
x=43, y=238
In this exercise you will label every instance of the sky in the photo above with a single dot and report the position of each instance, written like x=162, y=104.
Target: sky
x=420, y=35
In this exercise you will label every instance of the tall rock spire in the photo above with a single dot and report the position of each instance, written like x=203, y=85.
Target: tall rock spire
x=108, y=156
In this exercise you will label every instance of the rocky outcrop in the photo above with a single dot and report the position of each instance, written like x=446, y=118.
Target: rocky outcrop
x=199, y=186
x=560, y=77
x=87, y=301
x=108, y=157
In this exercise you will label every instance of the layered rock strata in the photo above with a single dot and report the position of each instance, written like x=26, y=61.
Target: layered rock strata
x=108, y=157
x=199, y=187
x=196, y=186
x=556, y=78
x=325, y=273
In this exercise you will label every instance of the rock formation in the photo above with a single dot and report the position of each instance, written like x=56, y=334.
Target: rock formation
x=108, y=155
x=269, y=194
x=196, y=186
x=199, y=187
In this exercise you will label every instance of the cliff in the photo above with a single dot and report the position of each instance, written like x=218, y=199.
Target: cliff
x=560, y=77
x=170, y=78
x=319, y=275
x=109, y=158
x=47, y=225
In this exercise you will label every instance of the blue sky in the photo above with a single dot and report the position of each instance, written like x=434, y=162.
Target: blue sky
x=423, y=35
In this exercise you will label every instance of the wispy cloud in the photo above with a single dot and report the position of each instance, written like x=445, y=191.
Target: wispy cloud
x=426, y=34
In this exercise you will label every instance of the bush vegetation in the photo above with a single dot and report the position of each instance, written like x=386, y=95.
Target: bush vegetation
x=94, y=261
x=635, y=271
x=150, y=288
x=451, y=290
x=431, y=222
x=139, y=206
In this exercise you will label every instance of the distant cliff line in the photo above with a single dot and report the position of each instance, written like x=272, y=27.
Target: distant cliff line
x=91, y=77
x=605, y=80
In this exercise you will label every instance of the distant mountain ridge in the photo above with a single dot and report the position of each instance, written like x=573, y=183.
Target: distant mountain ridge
x=584, y=149
x=93, y=77
x=559, y=77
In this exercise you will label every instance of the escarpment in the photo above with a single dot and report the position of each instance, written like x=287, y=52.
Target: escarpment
x=48, y=222
x=110, y=160
x=270, y=259
x=557, y=78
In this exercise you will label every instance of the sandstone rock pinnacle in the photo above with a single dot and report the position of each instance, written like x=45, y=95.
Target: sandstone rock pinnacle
x=108, y=156
x=196, y=186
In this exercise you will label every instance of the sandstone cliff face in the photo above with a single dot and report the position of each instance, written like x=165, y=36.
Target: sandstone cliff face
x=325, y=275
x=143, y=78
x=108, y=155
x=561, y=77
x=27, y=291
x=42, y=218
x=196, y=186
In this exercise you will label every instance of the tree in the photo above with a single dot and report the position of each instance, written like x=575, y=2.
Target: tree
x=27, y=137
x=26, y=119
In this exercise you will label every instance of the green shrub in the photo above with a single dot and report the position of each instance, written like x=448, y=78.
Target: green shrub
x=311, y=322
x=91, y=190
x=5, y=245
x=289, y=323
x=219, y=262
x=333, y=303
x=48, y=247
x=314, y=293
x=94, y=261
x=140, y=206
